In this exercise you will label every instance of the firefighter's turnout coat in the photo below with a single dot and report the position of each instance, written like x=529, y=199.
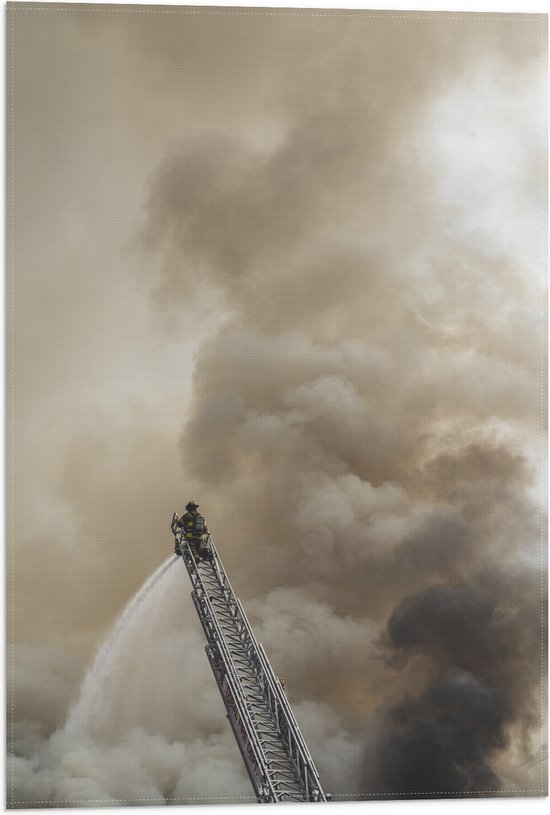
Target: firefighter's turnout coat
x=193, y=526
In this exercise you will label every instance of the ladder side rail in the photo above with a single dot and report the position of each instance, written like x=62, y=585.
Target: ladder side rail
x=216, y=639
x=240, y=615
x=298, y=751
x=282, y=700
x=294, y=739
x=250, y=647
x=260, y=652
x=282, y=704
x=275, y=695
x=263, y=794
x=228, y=601
x=221, y=574
x=234, y=683
x=285, y=705
x=307, y=771
x=277, y=690
x=303, y=756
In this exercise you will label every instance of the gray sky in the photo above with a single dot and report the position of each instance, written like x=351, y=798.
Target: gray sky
x=291, y=266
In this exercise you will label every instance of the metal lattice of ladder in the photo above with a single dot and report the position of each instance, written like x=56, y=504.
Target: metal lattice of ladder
x=269, y=739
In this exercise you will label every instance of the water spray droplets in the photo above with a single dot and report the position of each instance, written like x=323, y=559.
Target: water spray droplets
x=80, y=718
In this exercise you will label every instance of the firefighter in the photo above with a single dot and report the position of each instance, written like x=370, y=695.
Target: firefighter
x=195, y=531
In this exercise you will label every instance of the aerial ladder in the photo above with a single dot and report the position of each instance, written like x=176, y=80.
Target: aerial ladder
x=267, y=734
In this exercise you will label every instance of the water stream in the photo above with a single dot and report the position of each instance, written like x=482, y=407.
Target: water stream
x=79, y=718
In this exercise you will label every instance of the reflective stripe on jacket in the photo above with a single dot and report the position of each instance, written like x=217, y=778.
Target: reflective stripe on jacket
x=193, y=525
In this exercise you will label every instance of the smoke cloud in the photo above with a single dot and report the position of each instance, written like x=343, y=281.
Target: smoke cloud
x=343, y=234
x=472, y=639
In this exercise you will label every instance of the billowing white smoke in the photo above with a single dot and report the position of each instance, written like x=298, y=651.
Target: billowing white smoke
x=120, y=745
x=150, y=726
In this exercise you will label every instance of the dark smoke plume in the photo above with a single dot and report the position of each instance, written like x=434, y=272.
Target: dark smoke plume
x=480, y=645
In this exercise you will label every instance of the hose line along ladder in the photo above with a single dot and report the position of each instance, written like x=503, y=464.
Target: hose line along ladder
x=269, y=739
